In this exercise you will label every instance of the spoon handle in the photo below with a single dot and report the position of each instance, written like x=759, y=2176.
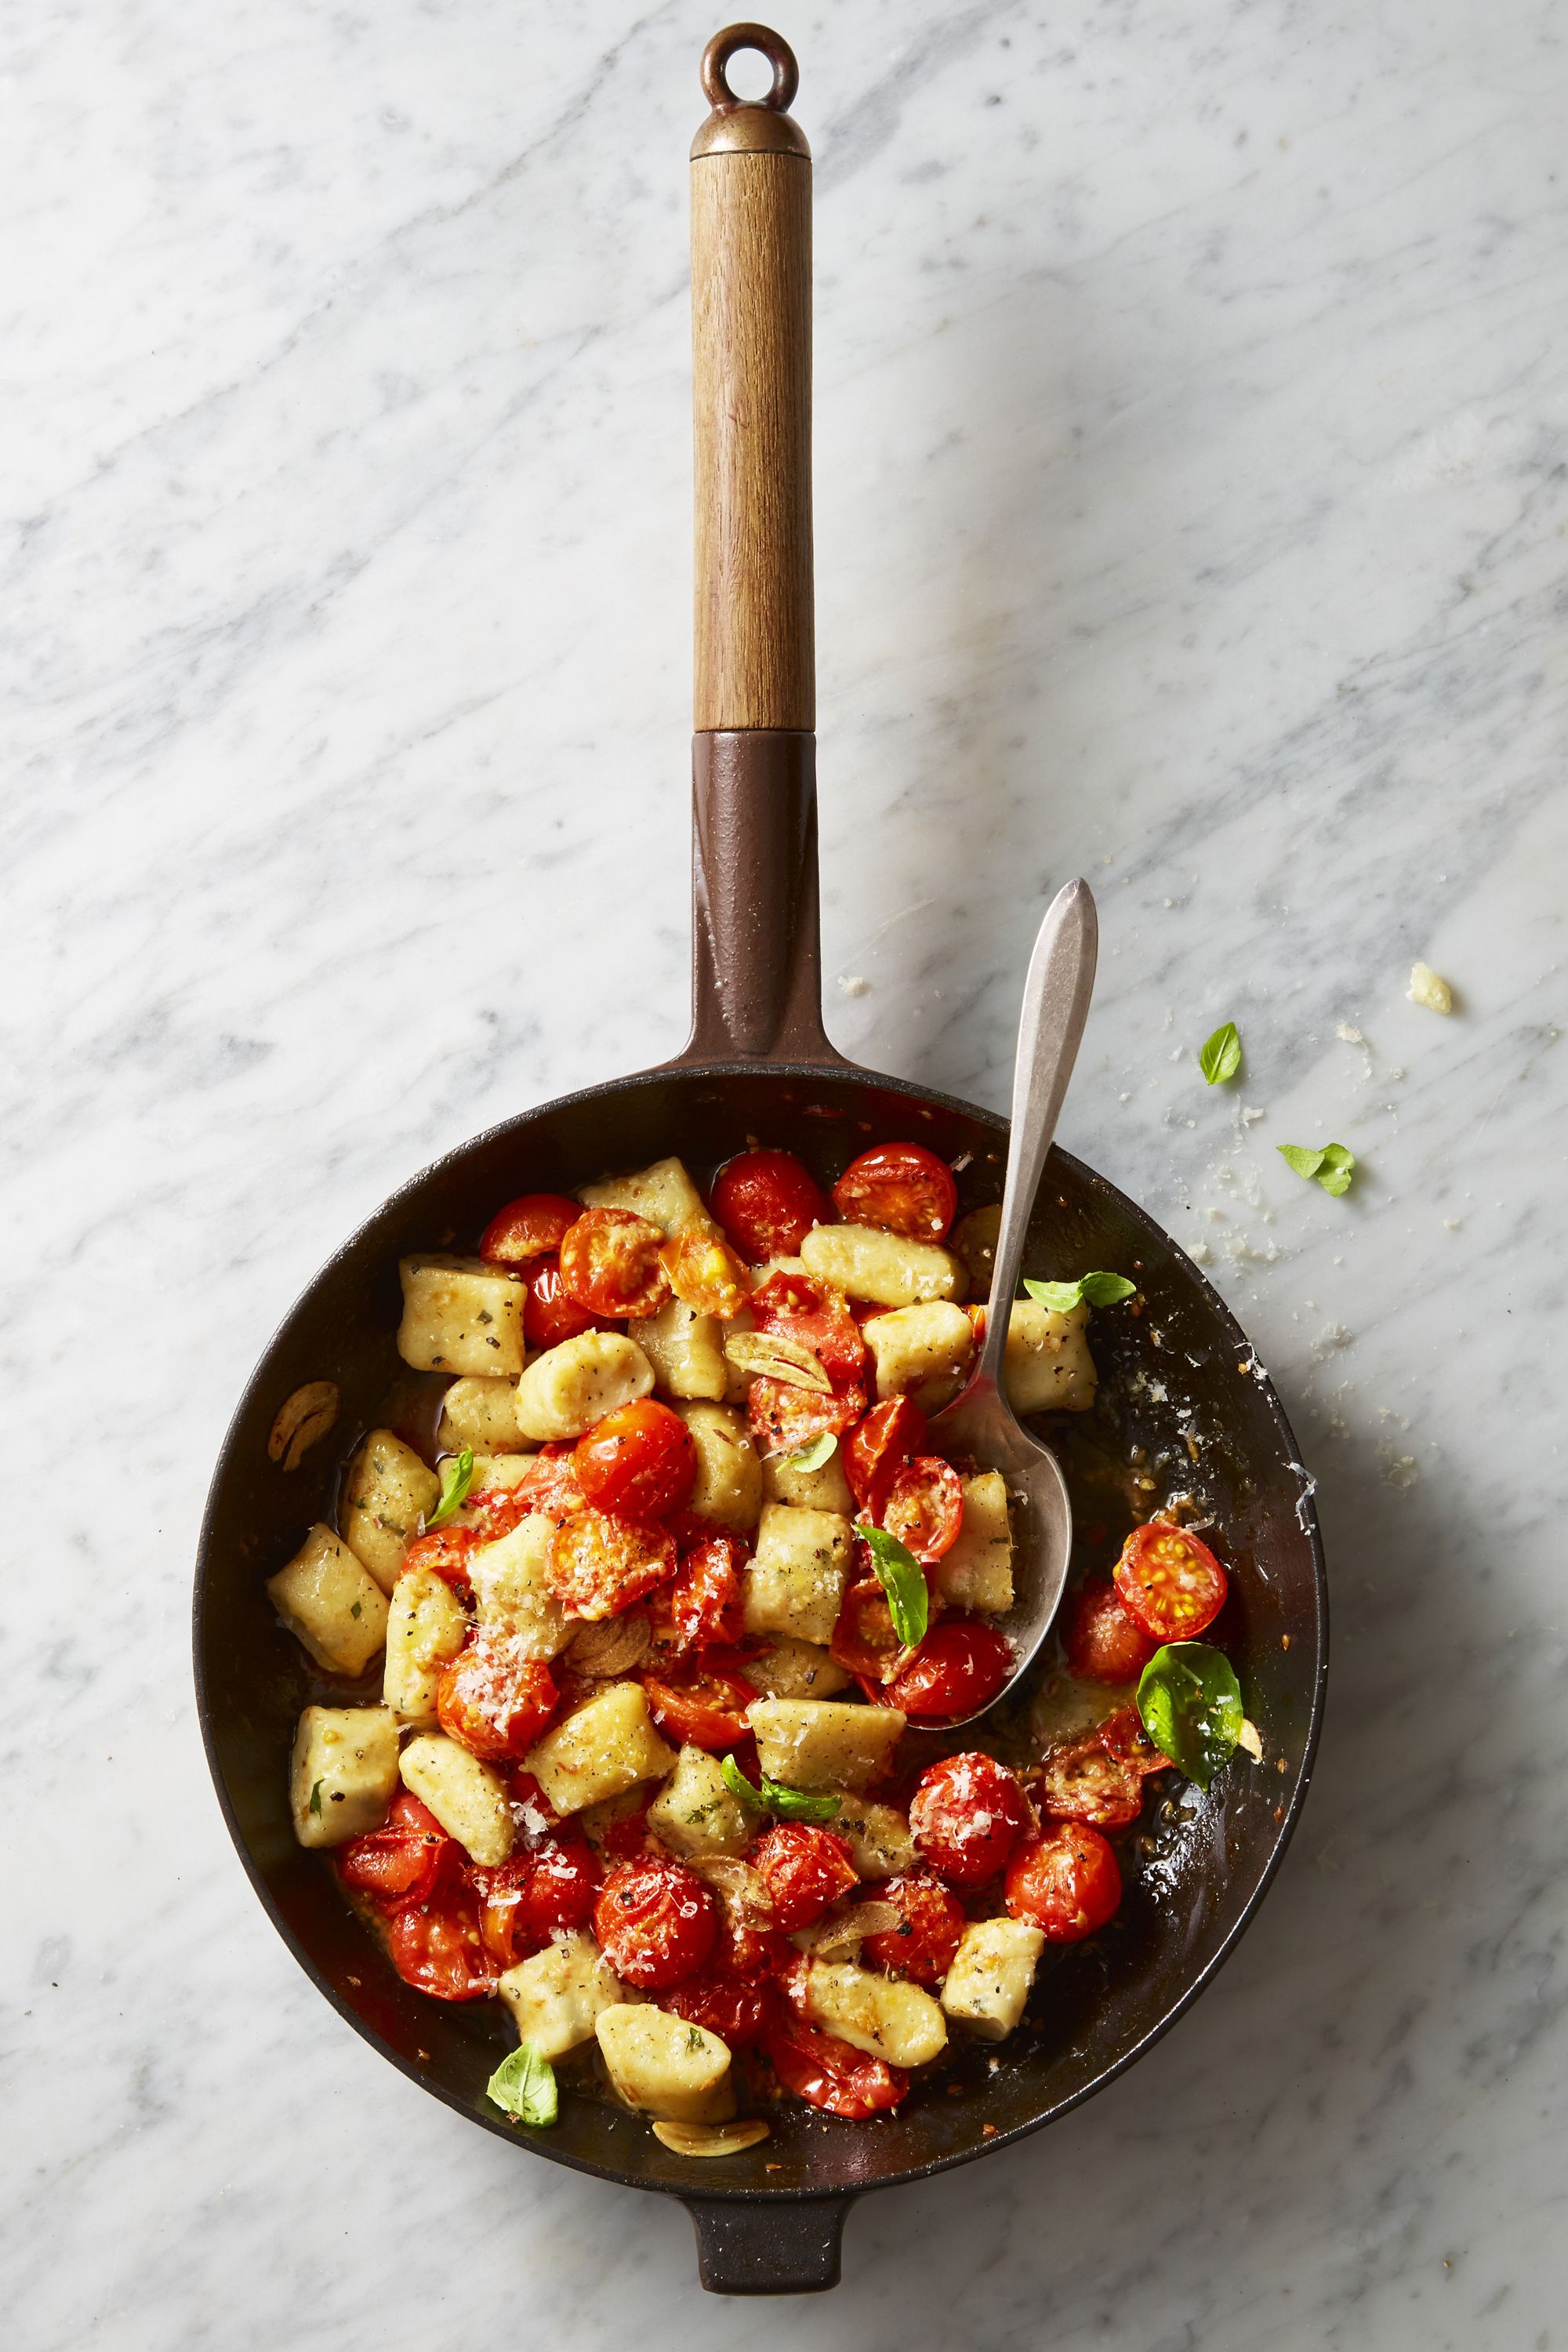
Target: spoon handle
x=1050, y=1026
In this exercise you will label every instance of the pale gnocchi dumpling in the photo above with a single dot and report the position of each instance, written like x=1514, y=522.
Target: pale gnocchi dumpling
x=785, y=1668
x=460, y=1315
x=885, y=2018
x=666, y=2066
x=976, y=1572
x=1047, y=1367
x=795, y=1582
x=924, y=1353
x=425, y=1629
x=480, y=1414
x=685, y=1349
x=330, y=1602
x=567, y=1388
x=696, y=1811
x=467, y=1795
x=557, y=1996
x=387, y=1495
x=992, y=1972
x=342, y=1773
x=605, y=1747
x=729, y=1488
x=664, y=1193
x=865, y=1263
x=809, y=1743
x=513, y=1599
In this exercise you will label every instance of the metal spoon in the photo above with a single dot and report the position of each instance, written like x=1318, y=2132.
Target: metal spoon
x=981, y=1421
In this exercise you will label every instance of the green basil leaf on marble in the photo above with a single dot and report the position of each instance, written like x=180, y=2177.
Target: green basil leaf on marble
x=1220, y=1058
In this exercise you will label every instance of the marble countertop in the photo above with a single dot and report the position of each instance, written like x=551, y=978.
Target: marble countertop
x=1192, y=492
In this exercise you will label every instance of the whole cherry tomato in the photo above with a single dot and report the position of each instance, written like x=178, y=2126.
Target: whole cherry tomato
x=534, y=1894
x=833, y=2074
x=610, y=1263
x=931, y=1922
x=492, y=1703
x=701, y=1604
x=767, y=1202
x=900, y=1187
x=528, y=1228
x=967, y=1814
x=865, y=1642
x=876, y=1450
x=437, y=1946
x=655, y=1922
x=1066, y=1883
x=445, y=1551
x=639, y=1462
x=958, y=1668
x=1100, y=1777
x=738, y=2010
x=600, y=1565
x=705, y=1273
x=804, y=1870
x=397, y=1863
x=550, y=1313
x=1104, y=1643
x=1171, y=1583
x=706, y=1710
x=924, y=1507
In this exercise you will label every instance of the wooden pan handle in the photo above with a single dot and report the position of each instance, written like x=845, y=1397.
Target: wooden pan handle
x=751, y=323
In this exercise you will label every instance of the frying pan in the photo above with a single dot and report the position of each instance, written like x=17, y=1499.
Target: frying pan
x=1179, y=1383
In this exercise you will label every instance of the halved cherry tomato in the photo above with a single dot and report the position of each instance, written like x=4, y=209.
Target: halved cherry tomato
x=967, y=1814
x=738, y=2010
x=1104, y=1641
x=549, y=1485
x=625, y=1838
x=550, y=1313
x=528, y=1227
x=767, y=1202
x=655, y=1922
x=931, y=1922
x=804, y=1869
x=639, y=1462
x=535, y=1894
x=532, y=1810
x=959, y=1668
x=437, y=1946
x=444, y=1552
x=783, y=1418
x=1100, y=1777
x=815, y=1317
x=492, y=1703
x=609, y=1264
x=1066, y=1883
x=701, y=1603
x=705, y=1273
x=924, y=1507
x=833, y=2074
x=900, y=1187
x=600, y=1565
x=878, y=1449
x=397, y=1863
x=865, y=1640
x=701, y=1710
x=1172, y=1583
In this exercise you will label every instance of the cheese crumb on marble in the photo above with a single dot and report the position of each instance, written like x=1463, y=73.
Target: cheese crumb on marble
x=1426, y=989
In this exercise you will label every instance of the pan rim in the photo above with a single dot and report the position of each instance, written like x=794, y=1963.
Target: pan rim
x=695, y=2192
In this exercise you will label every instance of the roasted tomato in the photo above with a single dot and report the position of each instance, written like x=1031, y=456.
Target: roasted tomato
x=528, y=1228
x=609, y=1264
x=865, y=1640
x=1104, y=1643
x=900, y=1187
x=528, y=1898
x=705, y=1273
x=833, y=2074
x=1172, y=1583
x=804, y=1870
x=701, y=1710
x=599, y=1566
x=549, y=1485
x=444, y=1552
x=958, y=1668
x=1100, y=1777
x=550, y=1313
x=399, y=1863
x=967, y=1814
x=437, y=1945
x=876, y=1451
x=815, y=1318
x=625, y=1838
x=738, y=2010
x=655, y=1922
x=1066, y=1883
x=767, y=1202
x=931, y=1922
x=924, y=1506
x=493, y=1704
x=700, y=1606
x=639, y=1462
x=783, y=1418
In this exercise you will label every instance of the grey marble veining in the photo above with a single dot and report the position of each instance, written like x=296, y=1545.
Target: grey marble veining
x=1193, y=501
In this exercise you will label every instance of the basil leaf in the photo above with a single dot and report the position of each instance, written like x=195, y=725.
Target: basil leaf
x=457, y=1477
x=315, y=1799
x=524, y=2085
x=1330, y=1167
x=903, y=1580
x=772, y=1797
x=1098, y=1289
x=812, y=1457
x=1190, y=1701
x=1220, y=1058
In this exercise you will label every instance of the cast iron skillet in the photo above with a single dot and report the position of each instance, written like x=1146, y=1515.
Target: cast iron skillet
x=769, y=2220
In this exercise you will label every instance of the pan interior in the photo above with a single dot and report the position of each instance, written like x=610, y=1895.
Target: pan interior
x=1177, y=1382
